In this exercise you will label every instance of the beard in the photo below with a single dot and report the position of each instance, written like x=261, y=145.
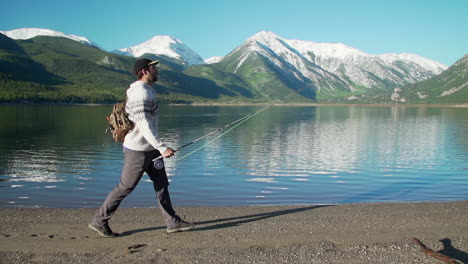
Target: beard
x=153, y=77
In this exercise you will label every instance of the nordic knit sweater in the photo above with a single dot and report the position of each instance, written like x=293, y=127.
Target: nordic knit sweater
x=142, y=108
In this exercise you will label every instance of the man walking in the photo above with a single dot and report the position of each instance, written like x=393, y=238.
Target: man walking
x=141, y=145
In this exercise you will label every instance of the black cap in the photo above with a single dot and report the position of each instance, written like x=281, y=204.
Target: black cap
x=141, y=63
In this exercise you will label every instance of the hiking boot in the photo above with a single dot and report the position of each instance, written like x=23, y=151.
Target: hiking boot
x=182, y=226
x=103, y=230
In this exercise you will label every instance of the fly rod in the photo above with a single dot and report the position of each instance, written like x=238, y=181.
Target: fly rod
x=159, y=164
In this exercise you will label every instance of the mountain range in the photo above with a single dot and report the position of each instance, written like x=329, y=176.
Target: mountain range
x=264, y=68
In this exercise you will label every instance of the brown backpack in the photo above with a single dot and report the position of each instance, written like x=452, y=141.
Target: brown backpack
x=119, y=123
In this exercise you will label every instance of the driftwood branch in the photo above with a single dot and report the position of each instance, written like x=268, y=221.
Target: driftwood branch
x=434, y=254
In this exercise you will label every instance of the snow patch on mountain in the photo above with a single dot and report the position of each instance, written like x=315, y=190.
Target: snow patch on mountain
x=214, y=59
x=432, y=65
x=28, y=33
x=165, y=46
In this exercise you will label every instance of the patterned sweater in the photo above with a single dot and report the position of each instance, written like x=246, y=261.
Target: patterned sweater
x=142, y=107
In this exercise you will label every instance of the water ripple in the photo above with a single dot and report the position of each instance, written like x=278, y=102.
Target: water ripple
x=286, y=155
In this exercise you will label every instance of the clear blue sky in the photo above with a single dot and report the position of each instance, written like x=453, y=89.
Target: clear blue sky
x=437, y=30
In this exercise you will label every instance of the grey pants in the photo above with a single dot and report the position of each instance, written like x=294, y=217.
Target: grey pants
x=136, y=163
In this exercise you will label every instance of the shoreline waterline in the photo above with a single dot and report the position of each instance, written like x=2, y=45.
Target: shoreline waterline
x=461, y=105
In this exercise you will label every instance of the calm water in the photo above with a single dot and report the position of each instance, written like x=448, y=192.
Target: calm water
x=59, y=156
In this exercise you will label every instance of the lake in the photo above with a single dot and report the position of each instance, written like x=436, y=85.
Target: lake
x=59, y=156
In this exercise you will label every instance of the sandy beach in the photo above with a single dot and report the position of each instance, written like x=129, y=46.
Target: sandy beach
x=349, y=233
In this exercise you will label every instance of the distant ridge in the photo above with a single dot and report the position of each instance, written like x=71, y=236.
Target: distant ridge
x=28, y=33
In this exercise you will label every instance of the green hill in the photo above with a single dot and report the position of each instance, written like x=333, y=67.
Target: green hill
x=60, y=70
x=451, y=86
x=52, y=69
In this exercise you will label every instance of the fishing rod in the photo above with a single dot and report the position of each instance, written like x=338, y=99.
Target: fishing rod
x=159, y=163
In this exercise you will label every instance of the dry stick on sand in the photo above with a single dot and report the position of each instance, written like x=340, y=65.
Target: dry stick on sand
x=434, y=254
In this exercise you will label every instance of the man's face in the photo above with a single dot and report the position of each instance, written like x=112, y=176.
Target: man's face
x=152, y=73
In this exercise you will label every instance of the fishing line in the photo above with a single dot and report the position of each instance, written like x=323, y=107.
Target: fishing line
x=227, y=131
x=159, y=163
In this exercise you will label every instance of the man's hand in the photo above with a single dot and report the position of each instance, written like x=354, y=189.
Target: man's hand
x=168, y=153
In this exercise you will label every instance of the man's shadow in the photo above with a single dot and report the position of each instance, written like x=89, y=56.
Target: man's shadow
x=452, y=252
x=233, y=221
x=236, y=221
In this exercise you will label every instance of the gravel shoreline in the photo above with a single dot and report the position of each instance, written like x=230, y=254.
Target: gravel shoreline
x=347, y=233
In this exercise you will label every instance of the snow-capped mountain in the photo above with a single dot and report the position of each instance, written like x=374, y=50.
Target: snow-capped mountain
x=214, y=59
x=359, y=66
x=165, y=46
x=27, y=33
x=319, y=62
